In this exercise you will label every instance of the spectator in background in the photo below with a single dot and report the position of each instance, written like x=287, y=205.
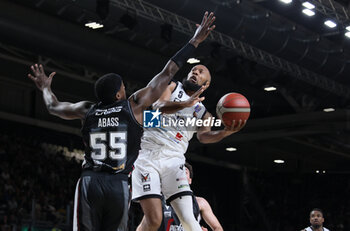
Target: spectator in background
x=316, y=221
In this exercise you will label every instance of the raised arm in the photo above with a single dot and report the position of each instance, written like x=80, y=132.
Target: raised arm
x=205, y=135
x=64, y=110
x=145, y=97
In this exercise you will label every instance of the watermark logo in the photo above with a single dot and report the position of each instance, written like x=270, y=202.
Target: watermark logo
x=152, y=119
x=178, y=122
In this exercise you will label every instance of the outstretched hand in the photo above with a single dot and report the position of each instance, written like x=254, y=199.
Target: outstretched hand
x=195, y=97
x=40, y=79
x=203, y=29
x=235, y=128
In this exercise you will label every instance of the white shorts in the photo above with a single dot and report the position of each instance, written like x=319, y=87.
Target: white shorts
x=154, y=176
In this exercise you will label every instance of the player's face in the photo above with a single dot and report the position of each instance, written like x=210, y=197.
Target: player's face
x=316, y=218
x=121, y=94
x=199, y=75
x=188, y=176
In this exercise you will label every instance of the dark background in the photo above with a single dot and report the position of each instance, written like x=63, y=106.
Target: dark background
x=257, y=43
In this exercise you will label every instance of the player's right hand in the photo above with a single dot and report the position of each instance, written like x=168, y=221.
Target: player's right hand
x=39, y=78
x=203, y=29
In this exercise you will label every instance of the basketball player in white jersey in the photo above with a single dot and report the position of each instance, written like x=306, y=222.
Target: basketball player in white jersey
x=160, y=165
x=316, y=221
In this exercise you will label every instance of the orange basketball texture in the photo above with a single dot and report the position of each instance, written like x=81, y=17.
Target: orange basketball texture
x=233, y=106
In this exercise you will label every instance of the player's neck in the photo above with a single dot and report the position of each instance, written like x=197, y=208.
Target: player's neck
x=317, y=229
x=189, y=93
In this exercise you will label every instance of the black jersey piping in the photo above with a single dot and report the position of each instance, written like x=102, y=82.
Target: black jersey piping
x=177, y=84
x=132, y=115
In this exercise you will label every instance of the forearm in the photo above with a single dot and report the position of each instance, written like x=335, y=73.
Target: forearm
x=169, y=107
x=50, y=99
x=218, y=229
x=213, y=136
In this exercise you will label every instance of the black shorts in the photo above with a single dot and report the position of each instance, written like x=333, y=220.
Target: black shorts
x=101, y=202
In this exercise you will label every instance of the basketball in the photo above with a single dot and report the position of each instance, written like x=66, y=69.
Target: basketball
x=233, y=106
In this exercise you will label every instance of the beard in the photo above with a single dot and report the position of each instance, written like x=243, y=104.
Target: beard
x=190, y=86
x=316, y=226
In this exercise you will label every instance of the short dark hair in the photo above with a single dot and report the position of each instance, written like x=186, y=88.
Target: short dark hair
x=318, y=210
x=107, y=87
x=190, y=169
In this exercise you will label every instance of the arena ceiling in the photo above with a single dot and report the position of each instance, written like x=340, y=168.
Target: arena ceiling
x=256, y=44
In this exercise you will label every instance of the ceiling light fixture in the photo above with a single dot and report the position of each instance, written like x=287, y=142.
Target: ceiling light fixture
x=308, y=12
x=308, y=5
x=193, y=60
x=347, y=34
x=328, y=109
x=330, y=23
x=286, y=1
x=94, y=25
x=279, y=161
x=270, y=88
x=231, y=149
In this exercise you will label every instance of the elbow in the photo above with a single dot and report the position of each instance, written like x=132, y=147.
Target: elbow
x=170, y=69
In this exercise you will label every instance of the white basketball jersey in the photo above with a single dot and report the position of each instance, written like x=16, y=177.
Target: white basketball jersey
x=173, y=139
x=310, y=229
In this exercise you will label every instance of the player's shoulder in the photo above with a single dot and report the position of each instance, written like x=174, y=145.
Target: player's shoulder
x=202, y=203
x=173, y=85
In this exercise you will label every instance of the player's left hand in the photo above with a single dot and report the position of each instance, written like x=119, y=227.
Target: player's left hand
x=40, y=79
x=204, y=229
x=195, y=97
x=235, y=128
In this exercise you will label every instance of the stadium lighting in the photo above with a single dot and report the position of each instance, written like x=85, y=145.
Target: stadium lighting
x=347, y=34
x=286, y=1
x=330, y=23
x=308, y=5
x=317, y=171
x=323, y=171
x=279, y=161
x=308, y=12
x=347, y=28
x=328, y=109
x=94, y=25
x=270, y=88
x=231, y=149
x=193, y=60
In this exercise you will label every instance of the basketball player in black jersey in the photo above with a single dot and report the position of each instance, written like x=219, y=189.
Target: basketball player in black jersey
x=201, y=209
x=111, y=133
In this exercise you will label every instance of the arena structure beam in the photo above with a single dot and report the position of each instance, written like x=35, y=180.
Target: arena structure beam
x=186, y=26
x=331, y=9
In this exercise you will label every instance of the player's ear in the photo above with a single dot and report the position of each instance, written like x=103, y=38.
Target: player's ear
x=118, y=96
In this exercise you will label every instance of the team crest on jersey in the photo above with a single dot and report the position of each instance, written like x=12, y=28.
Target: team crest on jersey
x=145, y=177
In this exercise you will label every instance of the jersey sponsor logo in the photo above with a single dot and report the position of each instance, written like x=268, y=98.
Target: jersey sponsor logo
x=145, y=177
x=152, y=119
x=108, y=122
x=108, y=111
x=197, y=108
x=183, y=186
x=167, y=213
x=178, y=136
x=147, y=187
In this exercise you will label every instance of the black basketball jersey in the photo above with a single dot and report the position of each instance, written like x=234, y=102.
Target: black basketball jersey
x=112, y=138
x=170, y=220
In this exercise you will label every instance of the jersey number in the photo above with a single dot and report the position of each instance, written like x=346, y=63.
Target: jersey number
x=117, y=145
